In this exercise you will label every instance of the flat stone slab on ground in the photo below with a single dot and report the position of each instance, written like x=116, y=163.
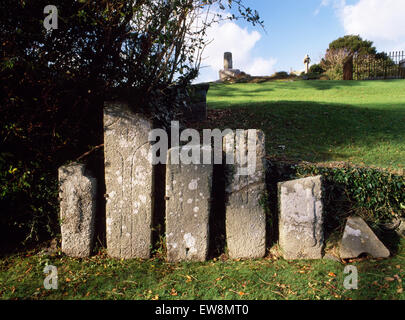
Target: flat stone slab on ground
x=245, y=212
x=129, y=177
x=188, y=206
x=301, y=218
x=78, y=198
x=358, y=238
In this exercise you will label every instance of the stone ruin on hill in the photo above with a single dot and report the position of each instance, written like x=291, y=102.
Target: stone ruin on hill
x=228, y=73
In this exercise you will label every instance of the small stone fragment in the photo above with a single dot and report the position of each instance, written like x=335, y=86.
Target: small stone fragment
x=358, y=238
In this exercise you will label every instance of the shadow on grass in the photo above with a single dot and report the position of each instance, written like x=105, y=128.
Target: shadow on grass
x=330, y=84
x=311, y=131
x=253, y=89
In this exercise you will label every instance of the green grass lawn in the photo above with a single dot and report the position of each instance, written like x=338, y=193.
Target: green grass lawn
x=362, y=122
x=21, y=277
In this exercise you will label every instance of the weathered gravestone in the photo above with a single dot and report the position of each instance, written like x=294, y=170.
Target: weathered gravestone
x=78, y=197
x=129, y=177
x=188, y=206
x=301, y=218
x=245, y=212
x=358, y=238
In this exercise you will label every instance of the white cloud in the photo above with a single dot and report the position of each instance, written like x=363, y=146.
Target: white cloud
x=229, y=37
x=261, y=67
x=336, y=4
x=324, y=3
x=381, y=21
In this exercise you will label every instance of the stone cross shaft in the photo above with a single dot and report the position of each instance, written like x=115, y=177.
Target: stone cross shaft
x=228, y=65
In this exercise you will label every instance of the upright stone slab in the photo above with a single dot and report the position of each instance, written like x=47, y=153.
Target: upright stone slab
x=245, y=213
x=129, y=182
x=301, y=218
x=188, y=205
x=78, y=197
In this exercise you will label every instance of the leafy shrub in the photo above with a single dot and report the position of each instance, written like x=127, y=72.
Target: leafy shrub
x=311, y=76
x=316, y=68
x=376, y=195
x=281, y=75
x=335, y=72
x=28, y=200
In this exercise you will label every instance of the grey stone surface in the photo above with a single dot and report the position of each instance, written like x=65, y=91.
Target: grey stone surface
x=301, y=218
x=78, y=197
x=245, y=214
x=401, y=228
x=129, y=177
x=358, y=238
x=188, y=205
x=228, y=64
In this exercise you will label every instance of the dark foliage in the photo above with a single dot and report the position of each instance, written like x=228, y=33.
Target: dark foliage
x=54, y=84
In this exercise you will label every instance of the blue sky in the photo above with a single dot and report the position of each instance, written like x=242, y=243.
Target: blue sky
x=294, y=28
